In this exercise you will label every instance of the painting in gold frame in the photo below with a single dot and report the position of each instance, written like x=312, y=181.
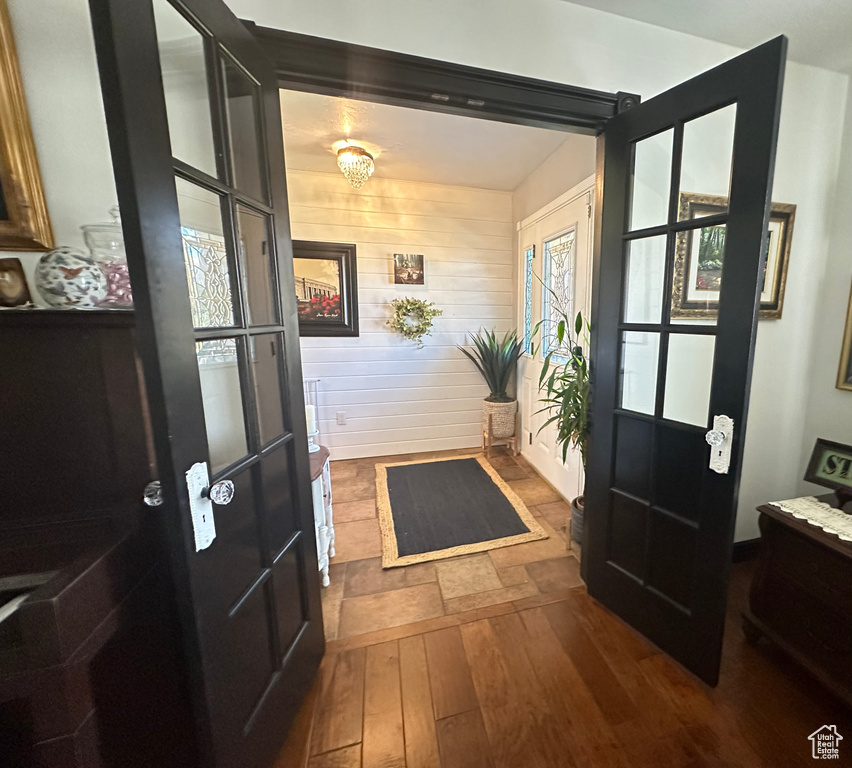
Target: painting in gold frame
x=699, y=254
x=24, y=223
x=844, y=373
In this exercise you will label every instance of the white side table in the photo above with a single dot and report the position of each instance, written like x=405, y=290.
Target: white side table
x=323, y=516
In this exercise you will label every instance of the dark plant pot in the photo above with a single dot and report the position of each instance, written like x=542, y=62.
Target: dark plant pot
x=578, y=506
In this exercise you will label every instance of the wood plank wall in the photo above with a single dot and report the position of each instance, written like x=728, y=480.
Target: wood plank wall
x=399, y=399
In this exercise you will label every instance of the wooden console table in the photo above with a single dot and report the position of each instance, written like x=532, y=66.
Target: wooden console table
x=801, y=597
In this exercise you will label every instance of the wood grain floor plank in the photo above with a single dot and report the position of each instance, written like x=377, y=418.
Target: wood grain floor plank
x=449, y=674
x=711, y=724
x=296, y=749
x=553, y=741
x=592, y=742
x=384, y=743
x=613, y=700
x=339, y=716
x=509, y=723
x=463, y=741
x=622, y=650
x=348, y=757
x=421, y=743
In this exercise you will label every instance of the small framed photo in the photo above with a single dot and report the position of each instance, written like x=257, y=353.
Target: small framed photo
x=13, y=284
x=830, y=465
x=408, y=269
x=326, y=288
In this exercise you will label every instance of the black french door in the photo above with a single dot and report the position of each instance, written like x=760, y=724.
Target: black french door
x=193, y=117
x=683, y=236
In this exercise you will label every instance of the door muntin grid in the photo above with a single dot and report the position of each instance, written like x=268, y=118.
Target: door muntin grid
x=226, y=337
x=675, y=419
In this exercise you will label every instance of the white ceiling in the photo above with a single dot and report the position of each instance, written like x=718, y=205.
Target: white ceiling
x=413, y=144
x=820, y=31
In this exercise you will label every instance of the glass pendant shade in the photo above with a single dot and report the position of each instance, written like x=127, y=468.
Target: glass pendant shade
x=356, y=164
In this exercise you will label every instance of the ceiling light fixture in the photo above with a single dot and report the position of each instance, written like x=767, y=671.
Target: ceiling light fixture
x=356, y=163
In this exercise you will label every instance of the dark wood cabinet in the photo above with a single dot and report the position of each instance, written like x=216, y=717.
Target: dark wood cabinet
x=90, y=664
x=801, y=597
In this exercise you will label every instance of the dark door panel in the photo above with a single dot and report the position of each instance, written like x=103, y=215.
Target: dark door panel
x=194, y=124
x=674, y=323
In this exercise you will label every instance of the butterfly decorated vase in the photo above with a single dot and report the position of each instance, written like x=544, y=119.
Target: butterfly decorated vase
x=68, y=278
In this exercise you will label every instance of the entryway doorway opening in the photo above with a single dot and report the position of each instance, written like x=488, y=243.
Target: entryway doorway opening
x=444, y=218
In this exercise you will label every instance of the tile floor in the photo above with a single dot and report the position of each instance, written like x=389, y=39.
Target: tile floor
x=364, y=598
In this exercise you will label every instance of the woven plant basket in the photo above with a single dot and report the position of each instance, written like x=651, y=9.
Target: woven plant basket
x=503, y=417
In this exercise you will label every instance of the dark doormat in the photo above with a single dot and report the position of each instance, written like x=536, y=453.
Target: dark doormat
x=439, y=508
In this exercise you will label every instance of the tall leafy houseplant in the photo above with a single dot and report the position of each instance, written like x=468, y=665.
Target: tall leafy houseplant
x=496, y=359
x=564, y=384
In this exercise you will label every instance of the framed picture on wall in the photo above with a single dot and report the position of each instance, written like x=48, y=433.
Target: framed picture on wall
x=24, y=223
x=700, y=252
x=326, y=288
x=408, y=269
x=844, y=374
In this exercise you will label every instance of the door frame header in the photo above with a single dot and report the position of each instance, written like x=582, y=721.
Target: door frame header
x=334, y=68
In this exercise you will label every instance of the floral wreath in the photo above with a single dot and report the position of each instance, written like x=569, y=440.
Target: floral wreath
x=413, y=318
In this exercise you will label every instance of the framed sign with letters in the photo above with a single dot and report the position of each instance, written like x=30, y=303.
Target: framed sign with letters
x=831, y=465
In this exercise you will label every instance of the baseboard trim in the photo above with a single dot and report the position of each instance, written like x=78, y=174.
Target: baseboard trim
x=745, y=550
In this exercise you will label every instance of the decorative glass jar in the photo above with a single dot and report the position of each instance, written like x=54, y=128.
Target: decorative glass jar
x=106, y=244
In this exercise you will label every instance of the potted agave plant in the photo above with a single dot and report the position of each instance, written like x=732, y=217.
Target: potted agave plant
x=566, y=396
x=496, y=359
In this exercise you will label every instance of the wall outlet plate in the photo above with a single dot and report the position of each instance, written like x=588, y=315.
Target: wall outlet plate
x=341, y=418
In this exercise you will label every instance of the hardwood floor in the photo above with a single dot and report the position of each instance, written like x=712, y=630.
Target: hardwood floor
x=502, y=660
x=554, y=680
x=363, y=598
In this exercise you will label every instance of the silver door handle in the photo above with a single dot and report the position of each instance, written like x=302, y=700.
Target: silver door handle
x=220, y=493
x=152, y=496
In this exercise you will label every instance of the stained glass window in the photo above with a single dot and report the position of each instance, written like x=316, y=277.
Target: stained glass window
x=208, y=279
x=558, y=297
x=528, y=285
x=209, y=291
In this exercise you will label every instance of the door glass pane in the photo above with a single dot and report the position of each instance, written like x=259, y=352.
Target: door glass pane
x=266, y=357
x=705, y=171
x=529, y=253
x=558, y=296
x=208, y=274
x=689, y=374
x=219, y=369
x=643, y=291
x=697, y=279
x=651, y=180
x=241, y=94
x=256, y=264
x=184, y=66
x=640, y=353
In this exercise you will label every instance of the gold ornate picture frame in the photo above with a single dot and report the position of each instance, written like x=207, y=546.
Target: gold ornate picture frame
x=844, y=373
x=24, y=223
x=698, y=270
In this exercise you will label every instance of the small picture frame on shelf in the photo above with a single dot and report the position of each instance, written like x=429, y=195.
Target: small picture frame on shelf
x=14, y=291
x=831, y=466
